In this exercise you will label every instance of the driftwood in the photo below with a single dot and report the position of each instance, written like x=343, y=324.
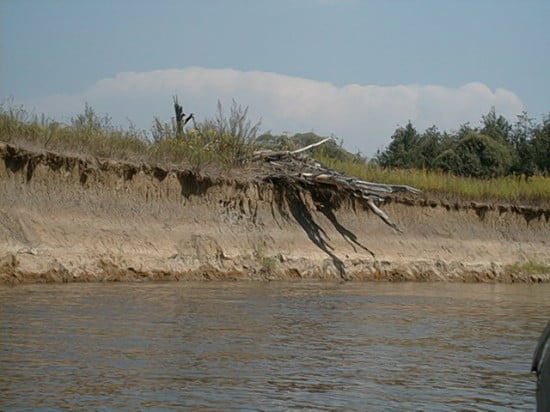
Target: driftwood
x=296, y=167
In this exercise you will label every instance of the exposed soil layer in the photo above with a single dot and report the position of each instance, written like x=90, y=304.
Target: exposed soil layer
x=71, y=219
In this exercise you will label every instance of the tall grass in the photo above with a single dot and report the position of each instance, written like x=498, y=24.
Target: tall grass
x=226, y=140
x=508, y=189
x=86, y=134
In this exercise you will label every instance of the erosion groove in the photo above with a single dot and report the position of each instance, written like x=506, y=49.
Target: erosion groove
x=72, y=219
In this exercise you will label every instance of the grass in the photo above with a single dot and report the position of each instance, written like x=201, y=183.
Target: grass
x=224, y=140
x=227, y=141
x=509, y=189
x=530, y=267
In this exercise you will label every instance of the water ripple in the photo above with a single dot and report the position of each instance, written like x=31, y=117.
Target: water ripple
x=277, y=346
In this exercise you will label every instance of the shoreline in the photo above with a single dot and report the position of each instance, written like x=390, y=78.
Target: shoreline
x=71, y=219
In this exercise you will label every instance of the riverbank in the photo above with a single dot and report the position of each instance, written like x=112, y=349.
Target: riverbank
x=73, y=219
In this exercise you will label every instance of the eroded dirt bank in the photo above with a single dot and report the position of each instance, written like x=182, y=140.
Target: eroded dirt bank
x=65, y=219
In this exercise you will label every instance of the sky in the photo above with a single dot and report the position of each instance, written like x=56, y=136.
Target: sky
x=349, y=68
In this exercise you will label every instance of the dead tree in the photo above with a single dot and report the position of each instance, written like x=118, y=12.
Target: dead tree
x=298, y=169
x=181, y=120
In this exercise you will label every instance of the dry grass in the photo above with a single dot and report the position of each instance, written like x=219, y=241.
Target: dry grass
x=509, y=189
x=224, y=140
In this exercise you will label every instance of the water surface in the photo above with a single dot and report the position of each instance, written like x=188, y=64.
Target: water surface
x=270, y=346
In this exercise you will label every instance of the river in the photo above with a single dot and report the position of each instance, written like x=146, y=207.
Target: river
x=270, y=346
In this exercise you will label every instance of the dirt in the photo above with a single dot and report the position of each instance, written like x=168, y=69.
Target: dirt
x=71, y=219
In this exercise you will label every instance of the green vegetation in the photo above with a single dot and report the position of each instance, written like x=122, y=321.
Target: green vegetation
x=86, y=133
x=509, y=189
x=224, y=140
x=496, y=148
x=482, y=164
x=530, y=267
x=472, y=164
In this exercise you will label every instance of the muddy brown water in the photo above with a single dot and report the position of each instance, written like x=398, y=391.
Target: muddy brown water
x=270, y=346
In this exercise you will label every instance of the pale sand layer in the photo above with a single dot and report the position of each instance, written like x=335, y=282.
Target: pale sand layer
x=69, y=219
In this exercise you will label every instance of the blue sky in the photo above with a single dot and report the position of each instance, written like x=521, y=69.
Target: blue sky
x=354, y=68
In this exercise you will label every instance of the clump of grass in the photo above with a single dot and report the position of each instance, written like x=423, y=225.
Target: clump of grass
x=529, y=267
x=268, y=263
x=444, y=185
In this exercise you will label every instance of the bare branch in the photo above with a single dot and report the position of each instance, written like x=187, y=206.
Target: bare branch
x=311, y=146
x=272, y=155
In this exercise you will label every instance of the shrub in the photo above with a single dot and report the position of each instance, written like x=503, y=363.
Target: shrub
x=476, y=155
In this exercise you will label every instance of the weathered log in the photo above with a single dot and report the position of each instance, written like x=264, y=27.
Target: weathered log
x=273, y=155
x=293, y=166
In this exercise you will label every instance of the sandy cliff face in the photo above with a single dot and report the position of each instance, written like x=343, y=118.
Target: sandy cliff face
x=68, y=219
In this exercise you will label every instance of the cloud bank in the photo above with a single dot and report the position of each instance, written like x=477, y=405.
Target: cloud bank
x=365, y=116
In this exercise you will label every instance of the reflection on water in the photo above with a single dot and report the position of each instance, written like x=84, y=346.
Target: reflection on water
x=275, y=346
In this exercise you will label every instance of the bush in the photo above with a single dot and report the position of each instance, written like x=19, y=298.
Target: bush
x=476, y=155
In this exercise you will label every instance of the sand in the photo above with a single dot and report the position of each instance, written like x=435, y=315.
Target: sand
x=71, y=219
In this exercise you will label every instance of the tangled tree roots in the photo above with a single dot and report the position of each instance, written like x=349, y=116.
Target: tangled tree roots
x=297, y=168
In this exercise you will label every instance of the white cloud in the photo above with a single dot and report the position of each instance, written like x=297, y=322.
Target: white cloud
x=365, y=116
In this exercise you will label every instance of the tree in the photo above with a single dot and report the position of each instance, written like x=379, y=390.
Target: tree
x=496, y=127
x=521, y=139
x=496, y=148
x=476, y=155
x=403, y=150
x=541, y=145
x=181, y=120
x=430, y=146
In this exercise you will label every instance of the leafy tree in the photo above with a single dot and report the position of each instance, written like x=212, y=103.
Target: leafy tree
x=521, y=140
x=496, y=148
x=403, y=150
x=430, y=146
x=541, y=145
x=448, y=161
x=496, y=127
x=476, y=155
